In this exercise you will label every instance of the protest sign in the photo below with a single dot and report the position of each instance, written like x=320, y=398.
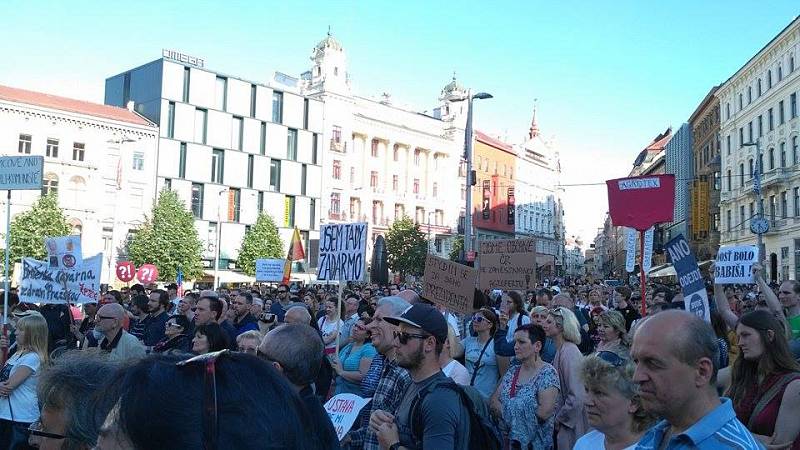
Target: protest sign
x=342, y=252
x=44, y=284
x=734, y=264
x=648, y=249
x=641, y=202
x=508, y=264
x=692, y=285
x=148, y=273
x=126, y=271
x=449, y=284
x=63, y=252
x=630, y=249
x=269, y=269
x=343, y=410
x=21, y=172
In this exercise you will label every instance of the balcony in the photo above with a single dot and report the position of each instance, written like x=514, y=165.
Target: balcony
x=337, y=215
x=773, y=177
x=338, y=146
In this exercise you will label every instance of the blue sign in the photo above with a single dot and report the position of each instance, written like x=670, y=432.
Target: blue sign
x=692, y=285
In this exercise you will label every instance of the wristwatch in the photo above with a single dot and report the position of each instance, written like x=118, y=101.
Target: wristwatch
x=395, y=446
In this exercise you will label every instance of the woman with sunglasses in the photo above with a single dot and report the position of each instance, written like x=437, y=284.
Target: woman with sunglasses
x=479, y=356
x=354, y=360
x=19, y=406
x=613, y=406
x=765, y=381
x=176, y=336
x=527, y=394
x=571, y=423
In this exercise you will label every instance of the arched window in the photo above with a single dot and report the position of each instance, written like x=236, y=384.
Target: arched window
x=50, y=184
x=77, y=188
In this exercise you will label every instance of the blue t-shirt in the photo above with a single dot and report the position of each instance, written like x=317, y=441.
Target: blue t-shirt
x=488, y=373
x=351, y=361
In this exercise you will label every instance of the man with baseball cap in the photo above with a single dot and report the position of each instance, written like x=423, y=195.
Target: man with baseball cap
x=445, y=419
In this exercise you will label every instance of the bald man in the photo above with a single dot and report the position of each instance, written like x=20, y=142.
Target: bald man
x=297, y=314
x=116, y=341
x=674, y=353
x=409, y=295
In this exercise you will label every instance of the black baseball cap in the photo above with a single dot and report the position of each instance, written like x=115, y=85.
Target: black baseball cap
x=425, y=317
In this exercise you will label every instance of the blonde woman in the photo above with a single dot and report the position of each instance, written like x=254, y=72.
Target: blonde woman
x=612, y=334
x=562, y=327
x=18, y=380
x=452, y=368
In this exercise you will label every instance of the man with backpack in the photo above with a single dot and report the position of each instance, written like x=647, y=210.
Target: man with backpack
x=435, y=413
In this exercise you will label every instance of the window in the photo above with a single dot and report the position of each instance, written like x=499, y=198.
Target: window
x=373, y=179
x=773, y=206
x=182, y=161
x=50, y=184
x=234, y=204
x=793, y=105
x=395, y=153
x=435, y=190
x=727, y=111
x=794, y=150
x=25, y=144
x=781, y=118
x=741, y=106
x=52, y=148
x=728, y=143
x=313, y=214
x=274, y=175
x=252, y=100
x=770, y=120
x=729, y=180
x=305, y=113
x=221, y=93
x=277, y=107
x=200, y=125
x=395, y=183
x=752, y=209
x=742, y=219
x=355, y=208
x=729, y=219
x=337, y=169
x=217, y=165
x=769, y=79
x=791, y=64
x=741, y=136
x=171, y=120
x=250, y=163
x=759, y=87
x=260, y=201
x=760, y=166
x=750, y=163
x=336, y=134
x=186, y=80
x=262, y=140
x=291, y=144
x=784, y=204
x=78, y=151
x=750, y=131
x=288, y=211
x=374, y=148
x=197, y=200
x=314, y=148
x=796, y=202
x=783, y=154
x=138, y=161
x=749, y=94
x=771, y=158
x=352, y=175
x=336, y=203
x=237, y=132
x=416, y=156
x=303, y=179
x=780, y=72
x=760, y=125
x=741, y=175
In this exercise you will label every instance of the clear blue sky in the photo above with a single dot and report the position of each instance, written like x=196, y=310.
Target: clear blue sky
x=609, y=75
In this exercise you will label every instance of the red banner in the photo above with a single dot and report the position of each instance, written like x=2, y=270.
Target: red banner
x=641, y=202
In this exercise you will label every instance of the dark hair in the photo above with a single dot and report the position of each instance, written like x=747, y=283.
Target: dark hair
x=163, y=297
x=519, y=303
x=535, y=333
x=140, y=301
x=776, y=358
x=116, y=294
x=489, y=314
x=545, y=292
x=217, y=337
x=479, y=300
x=667, y=293
x=181, y=320
x=624, y=291
x=248, y=297
x=298, y=349
x=254, y=402
x=137, y=288
x=214, y=304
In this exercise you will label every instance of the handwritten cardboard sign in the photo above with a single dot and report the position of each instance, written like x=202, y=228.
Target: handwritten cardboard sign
x=343, y=410
x=449, y=284
x=692, y=285
x=64, y=252
x=269, y=269
x=342, y=252
x=44, y=284
x=734, y=264
x=507, y=264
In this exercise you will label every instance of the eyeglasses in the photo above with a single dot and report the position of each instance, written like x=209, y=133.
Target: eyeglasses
x=35, y=429
x=404, y=337
x=611, y=358
x=210, y=411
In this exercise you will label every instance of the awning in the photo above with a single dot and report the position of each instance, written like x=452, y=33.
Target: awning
x=229, y=276
x=664, y=270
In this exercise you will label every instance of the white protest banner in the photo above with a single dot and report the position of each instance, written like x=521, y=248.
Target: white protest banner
x=269, y=269
x=630, y=249
x=64, y=252
x=449, y=284
x=21, y=172
x=508, y=264
x=648, y=248
x=342, y=252
x=734, y=264
x=343, y=410
x=43, y=284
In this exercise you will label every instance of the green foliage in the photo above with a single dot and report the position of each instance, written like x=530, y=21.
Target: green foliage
x=261, y=241
x=458, y=246
x=406, y=246
x=28, y=230
x=169, y=240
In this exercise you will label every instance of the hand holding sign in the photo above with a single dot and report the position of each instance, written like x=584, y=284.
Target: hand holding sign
x=148, y=273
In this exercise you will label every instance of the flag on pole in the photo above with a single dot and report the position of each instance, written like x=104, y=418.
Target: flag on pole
x=179, y=282
x=295, y=253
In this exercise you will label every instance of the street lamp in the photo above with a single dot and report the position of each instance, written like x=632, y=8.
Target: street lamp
x=468, y=138
x=759, y=225
x=124, y=139
x=219, y=237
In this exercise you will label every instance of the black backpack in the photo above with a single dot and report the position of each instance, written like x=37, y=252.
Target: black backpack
x=483, y=432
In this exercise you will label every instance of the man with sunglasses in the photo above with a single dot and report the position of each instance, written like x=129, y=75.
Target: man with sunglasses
x=279, y=308
x=419, y=342
x=116, y=341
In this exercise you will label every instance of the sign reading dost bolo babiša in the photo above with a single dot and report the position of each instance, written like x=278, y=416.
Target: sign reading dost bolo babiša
x=449, y=284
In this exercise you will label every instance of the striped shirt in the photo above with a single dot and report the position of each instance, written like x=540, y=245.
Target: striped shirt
x=719, y=429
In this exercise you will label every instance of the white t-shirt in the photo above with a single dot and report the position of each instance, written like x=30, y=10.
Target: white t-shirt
x=23, y=399
x=457, y=372
x=594, y=440
x=512, y=325
x=329, y=327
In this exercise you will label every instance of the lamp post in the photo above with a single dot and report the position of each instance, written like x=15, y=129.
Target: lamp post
x=219, y=237
x=124, y=139
x=759, y=225
x=468, y=138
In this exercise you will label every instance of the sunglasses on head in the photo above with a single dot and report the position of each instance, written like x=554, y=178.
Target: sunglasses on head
x=404, y=337
x=210, y=407
x=611, y=358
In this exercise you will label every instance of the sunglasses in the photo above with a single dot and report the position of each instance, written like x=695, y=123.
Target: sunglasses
x=210, y=407
x=611, y=358
x=478, y=319
x=105, y=317
x=35, y=429
x=404, y=337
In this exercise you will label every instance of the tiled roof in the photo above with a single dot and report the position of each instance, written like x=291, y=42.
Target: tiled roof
x=71, y=105
x=488, y=140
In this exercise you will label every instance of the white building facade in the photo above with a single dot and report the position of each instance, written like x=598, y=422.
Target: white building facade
x=759, y=104
x=230, y=148
x=99, y=160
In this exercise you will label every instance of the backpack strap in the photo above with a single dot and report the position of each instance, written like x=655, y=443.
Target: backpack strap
x=415, y=413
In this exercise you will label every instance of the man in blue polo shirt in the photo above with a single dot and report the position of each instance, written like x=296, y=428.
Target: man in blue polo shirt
x=675, y=353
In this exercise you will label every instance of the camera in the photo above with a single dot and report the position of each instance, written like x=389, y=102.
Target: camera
x=267, y=317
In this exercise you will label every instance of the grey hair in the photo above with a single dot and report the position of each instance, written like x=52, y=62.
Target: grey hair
x=298, y=349
x=252, y=334
x=302, y=306
x=397, y=305
x=696, y=340
x=69, y=385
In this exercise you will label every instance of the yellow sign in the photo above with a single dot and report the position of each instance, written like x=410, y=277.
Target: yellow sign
x=700, y=207
x=287, y=211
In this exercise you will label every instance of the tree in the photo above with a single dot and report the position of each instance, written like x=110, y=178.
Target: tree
x=458, y=247
x=28, y=230
x=261, y=241
x=169, y=240
x=406, y=246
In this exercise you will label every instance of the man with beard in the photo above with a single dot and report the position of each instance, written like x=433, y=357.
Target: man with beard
x=445, y=418
x=279, y=308
x=244, y=321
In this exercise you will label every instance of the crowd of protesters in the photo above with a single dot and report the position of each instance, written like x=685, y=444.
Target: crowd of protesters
x=568, y=365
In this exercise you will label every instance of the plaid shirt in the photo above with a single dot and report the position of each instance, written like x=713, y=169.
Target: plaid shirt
x=391, y=388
